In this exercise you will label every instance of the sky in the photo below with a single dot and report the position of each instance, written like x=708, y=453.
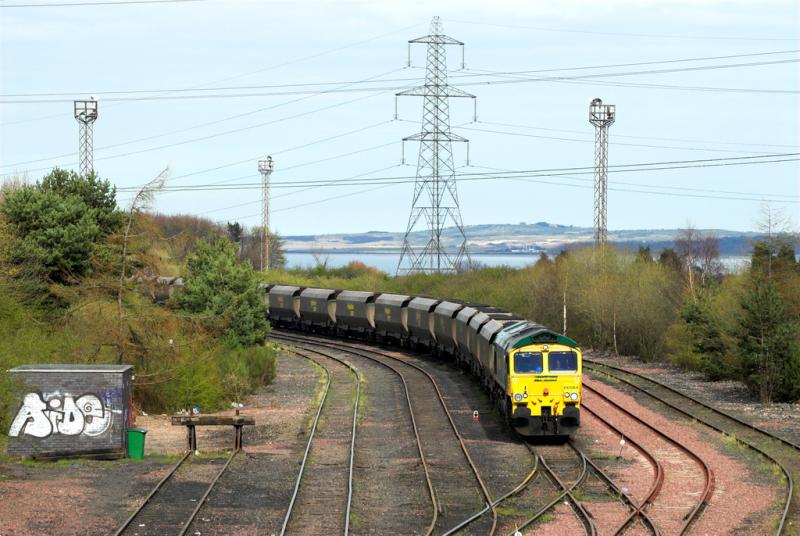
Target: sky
x=297, y=70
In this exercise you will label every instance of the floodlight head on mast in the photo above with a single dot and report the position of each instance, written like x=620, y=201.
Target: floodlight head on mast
x=266, y=166
x=601, y=115
x=85, y=111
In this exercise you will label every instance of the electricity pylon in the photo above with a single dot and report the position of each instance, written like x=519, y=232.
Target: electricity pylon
x=435, y=200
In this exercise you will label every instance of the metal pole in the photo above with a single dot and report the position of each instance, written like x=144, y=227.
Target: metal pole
x=265, y=167
x=602, y=116
x=85, y=112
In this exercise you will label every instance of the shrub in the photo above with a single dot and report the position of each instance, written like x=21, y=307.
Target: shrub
x=219, y=285
x=56, y=224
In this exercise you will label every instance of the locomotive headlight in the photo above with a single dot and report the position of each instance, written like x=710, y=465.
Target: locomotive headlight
x=525, y=395
x=574, y=396
x=518, y=397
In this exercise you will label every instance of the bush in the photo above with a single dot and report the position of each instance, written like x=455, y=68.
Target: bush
x=56, y=224
x=24, y=338
x=219, y=285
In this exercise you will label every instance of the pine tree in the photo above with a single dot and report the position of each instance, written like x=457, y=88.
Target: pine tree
x=767, y=343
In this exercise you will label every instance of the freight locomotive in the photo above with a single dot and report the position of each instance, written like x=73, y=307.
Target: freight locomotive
x=533, y=373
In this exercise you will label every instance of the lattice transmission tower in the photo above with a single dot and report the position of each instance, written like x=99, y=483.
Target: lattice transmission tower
x=265, y=167
x=85, y=112
x=602, y=117
x=435, y=200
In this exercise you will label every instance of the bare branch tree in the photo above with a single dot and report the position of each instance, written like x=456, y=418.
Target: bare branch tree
x=141, y=201
x=777, y=225
x=686, y=246
x=709, y=257
x=320, y=257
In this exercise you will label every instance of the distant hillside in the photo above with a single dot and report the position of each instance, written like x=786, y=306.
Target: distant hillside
x=513, y=238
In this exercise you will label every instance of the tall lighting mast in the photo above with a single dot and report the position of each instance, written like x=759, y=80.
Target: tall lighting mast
x=85, y=112
x=265, y=167
x=602, y=117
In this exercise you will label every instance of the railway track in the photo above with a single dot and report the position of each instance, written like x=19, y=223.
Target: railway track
x=565, y=483
x=524, y=497
x=317, y=494
x=566, y=473
x=565, y=487
x=636, y=509
x=707, y=475
x=412, y=421
x=779, y=451
x=451, y=470
x=173, y=504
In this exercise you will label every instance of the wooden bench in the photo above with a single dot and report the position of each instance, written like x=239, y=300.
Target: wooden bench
x=191, y=421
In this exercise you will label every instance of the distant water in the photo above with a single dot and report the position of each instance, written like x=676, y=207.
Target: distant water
x=387, y=262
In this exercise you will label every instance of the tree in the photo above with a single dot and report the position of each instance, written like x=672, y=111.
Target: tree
x=669, y=259
x=250, y=250
x=767, y=343
x=775, y=224
x=235, y=232
x=98, y=195
x=224, y=288
x=56, y=224
x=643, y=254
x=709, y=264
x=141, y=201
x=706, y=338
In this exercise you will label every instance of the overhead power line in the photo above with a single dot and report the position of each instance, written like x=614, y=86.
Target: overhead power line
x=510, y=78
x=257, y=71
x=208, y=123
x=552, y=172
x=110, y=3
x=294, y=192
x=530, y=180
x=644, y=145
x=629, y=34
x=638, y=137
x=641, y=85
x=372, y=79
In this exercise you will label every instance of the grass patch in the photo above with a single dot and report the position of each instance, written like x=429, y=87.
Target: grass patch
x=509, y=511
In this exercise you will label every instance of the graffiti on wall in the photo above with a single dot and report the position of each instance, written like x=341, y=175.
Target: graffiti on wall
x=42, y=416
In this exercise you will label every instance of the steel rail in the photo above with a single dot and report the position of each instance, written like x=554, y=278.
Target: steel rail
x=152, y=493
x=564, y=492
x=308, y=443
x=697, y=401
x=352, y=440
x=202, y=500
x=593, y=365
x=708, y=475
x=429, y=482
x=363, y=352
x=652, y=493
x=522, y=485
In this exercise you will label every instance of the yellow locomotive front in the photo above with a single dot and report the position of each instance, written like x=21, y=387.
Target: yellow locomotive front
x=544, y=389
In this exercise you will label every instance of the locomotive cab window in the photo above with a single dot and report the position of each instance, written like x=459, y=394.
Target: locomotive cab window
x=528, y=362
x=562, y=361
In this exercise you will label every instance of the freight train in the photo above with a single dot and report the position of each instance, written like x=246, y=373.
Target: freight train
x=533, y=373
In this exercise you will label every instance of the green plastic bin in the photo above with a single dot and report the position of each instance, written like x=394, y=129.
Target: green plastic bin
x=136, y=442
